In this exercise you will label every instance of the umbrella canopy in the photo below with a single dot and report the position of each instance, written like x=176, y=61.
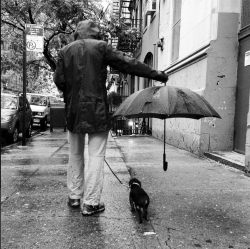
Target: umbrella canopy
x=166, y=102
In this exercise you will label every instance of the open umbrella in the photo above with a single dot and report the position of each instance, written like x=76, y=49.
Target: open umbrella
x=166, y=102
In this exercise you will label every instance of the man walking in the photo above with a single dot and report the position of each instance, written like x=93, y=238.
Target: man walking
x=81, y=74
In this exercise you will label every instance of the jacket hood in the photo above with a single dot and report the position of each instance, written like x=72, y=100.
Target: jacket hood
x=87, y=29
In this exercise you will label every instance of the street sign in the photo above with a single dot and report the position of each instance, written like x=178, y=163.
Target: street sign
x=34, y=37
x=32, y=42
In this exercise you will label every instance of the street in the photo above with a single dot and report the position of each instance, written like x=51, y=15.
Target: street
x=197, y=203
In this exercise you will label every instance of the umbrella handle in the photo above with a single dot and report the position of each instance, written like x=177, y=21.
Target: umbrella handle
x=165, y=164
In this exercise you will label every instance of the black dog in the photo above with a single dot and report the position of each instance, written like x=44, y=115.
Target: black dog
x=138, y=198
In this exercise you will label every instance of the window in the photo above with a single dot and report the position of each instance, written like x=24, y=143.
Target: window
x=149, y=61
x=8, y=102
x=245, y=13
x=150, y=8
x=176, y=29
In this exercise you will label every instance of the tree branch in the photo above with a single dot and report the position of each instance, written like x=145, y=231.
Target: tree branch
x=49, y=58
x=30, y=16
x=57, y=33
x=11, y=24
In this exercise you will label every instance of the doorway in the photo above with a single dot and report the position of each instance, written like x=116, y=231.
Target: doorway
x=242, y=92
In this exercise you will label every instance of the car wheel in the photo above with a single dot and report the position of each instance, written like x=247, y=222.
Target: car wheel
x=28, y=131
x=13, y=137
x=44, y=124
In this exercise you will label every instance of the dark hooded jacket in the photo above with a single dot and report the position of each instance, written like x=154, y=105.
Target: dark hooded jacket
x=81, y=74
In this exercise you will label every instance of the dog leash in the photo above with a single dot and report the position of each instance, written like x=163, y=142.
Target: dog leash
x=122, y=183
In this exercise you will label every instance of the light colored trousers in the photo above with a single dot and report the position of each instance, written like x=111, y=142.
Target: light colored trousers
x=86, y=183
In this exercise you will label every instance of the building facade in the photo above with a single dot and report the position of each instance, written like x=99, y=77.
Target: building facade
x=203, y=45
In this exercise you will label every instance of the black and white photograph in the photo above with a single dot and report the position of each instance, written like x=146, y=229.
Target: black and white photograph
x=125, y=124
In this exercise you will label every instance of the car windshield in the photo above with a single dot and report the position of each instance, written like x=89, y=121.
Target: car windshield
x=53, y=100
x=37, y=100
x=8, y=102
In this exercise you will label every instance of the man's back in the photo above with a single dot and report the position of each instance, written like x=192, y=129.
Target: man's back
x=85, y=70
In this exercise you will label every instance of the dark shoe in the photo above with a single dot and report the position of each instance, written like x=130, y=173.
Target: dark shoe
x=74, y=203
x=89, y=209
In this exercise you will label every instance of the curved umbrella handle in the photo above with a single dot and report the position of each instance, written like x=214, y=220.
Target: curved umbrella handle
x=165, y=164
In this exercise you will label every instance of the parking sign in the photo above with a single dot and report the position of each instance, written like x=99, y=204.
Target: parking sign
x=34, y=37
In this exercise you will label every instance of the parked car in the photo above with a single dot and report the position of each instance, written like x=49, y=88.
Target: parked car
x=40, y=106
x=12, y=116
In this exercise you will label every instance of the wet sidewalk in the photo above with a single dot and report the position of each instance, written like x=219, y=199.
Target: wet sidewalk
x=34, y=201
x=197, y=203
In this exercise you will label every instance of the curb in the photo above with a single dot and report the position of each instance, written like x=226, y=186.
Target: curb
x=225, y=161
x=130, y=170
x=19, y=143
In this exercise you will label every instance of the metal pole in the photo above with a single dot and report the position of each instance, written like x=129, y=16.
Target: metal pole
x=24, y=89
x=165, y=164
x=154, y=62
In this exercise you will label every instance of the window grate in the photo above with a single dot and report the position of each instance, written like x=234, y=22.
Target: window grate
x=245, y=13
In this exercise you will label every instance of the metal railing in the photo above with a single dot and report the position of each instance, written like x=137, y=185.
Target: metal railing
x=130, y=36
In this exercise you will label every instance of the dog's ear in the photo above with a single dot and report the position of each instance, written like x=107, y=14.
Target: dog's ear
x=139, y=182
x=129, y=183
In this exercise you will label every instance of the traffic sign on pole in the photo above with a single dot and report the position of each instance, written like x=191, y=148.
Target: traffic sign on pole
x=24, y=89
x=32, y=42
x=34, y=37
